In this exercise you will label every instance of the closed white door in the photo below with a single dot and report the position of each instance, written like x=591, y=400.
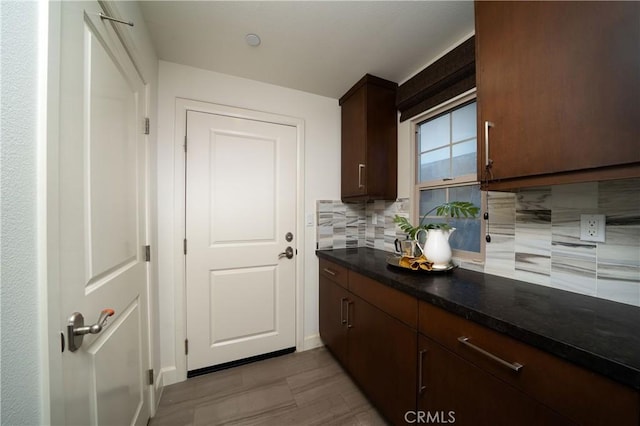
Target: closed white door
x=99, y=249
x=241, y=203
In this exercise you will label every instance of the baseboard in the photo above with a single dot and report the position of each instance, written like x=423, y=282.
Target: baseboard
x=169, y=376
x=158, y=389
x=312, y=342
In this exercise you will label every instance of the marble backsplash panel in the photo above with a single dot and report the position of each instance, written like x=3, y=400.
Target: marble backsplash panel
x=350, y=225
x=535, y=236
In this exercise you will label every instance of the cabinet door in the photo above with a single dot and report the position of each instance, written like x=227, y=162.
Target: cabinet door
x=369, y=140
x=333, y=320
x=354, y=151
x=382, y=359
x=459, y=392
x=559, y=81
x=381, y=171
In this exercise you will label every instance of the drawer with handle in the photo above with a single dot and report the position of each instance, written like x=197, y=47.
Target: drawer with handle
x=334, y=272
x=399, y=305
x=581, y=395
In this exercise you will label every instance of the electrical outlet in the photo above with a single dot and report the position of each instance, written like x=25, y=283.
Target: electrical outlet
x=592, y=227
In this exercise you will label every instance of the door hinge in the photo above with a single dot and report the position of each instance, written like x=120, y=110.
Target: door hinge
x=147, y=125
x=147, y=253
x=185, y=143
x=150, y=376
x=186, y=346
x=184, y=246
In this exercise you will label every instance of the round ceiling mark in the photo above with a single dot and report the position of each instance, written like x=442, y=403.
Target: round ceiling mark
x=253, y=40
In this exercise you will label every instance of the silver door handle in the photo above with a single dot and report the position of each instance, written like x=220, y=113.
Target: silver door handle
x=288, y=253
x=342, y=320
x=487, y=160
x=330, y=272
x=360, y=169
x=515, y=366
x=349, y=303
x=76, y=328
x=421, y=386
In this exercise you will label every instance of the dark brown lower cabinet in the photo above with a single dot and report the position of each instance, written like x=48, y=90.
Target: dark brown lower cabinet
x=377, y=348
x=333, y=323
x=453, y=390
x=576, y=394
x=382, y=359
x=420, y=364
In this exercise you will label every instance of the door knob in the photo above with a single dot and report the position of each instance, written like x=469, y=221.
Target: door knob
x=288, y=253
x=76, y=328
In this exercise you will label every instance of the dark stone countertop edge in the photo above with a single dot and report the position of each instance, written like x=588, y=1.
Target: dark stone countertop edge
x=598, y=363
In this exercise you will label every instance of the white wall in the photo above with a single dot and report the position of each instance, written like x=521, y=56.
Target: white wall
x=321, y=116
x=21, y=389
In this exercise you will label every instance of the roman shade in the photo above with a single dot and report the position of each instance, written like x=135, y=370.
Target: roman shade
x=449, y=76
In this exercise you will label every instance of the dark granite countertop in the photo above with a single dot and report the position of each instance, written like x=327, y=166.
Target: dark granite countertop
x=597, y=334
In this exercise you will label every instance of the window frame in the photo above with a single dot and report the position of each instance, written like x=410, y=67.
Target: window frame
x=465, y=180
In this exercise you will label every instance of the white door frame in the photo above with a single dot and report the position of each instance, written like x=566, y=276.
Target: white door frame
x=180, y=289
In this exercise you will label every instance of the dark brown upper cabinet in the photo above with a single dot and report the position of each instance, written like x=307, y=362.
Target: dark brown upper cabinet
x=558, y=89
x=369, y=141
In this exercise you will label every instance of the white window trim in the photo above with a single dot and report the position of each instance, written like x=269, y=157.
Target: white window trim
x=459, y=181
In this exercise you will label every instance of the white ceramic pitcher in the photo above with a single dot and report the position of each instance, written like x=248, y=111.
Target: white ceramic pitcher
x=436, y=247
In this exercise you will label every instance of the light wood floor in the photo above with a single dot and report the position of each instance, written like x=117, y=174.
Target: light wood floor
x=305, y=388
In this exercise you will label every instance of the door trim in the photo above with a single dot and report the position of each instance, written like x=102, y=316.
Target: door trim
x=53, y=410
x=180, y=289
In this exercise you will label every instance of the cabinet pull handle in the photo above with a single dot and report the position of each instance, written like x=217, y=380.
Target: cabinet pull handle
x=510, y=365
x=329, y=271
x=487, y=161
x=349, y=303
x=360, y=169
x=421, y=386
x=342, y=320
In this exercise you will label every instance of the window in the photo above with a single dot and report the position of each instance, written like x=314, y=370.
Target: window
x=446, y=166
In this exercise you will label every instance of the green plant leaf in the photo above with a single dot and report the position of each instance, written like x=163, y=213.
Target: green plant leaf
x=455, y=209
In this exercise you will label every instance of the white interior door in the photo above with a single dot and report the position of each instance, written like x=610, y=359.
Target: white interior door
x=241, y=203
x=102, y=223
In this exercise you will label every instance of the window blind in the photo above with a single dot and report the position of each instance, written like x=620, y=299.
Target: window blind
x=449, y=76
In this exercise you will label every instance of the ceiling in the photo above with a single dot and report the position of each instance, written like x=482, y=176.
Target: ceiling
x=321, y=47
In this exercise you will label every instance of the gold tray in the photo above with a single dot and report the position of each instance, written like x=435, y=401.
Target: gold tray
x=395, y=262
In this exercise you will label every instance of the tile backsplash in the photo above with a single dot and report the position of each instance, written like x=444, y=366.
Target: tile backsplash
x=535, y=235
x=350, y=225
